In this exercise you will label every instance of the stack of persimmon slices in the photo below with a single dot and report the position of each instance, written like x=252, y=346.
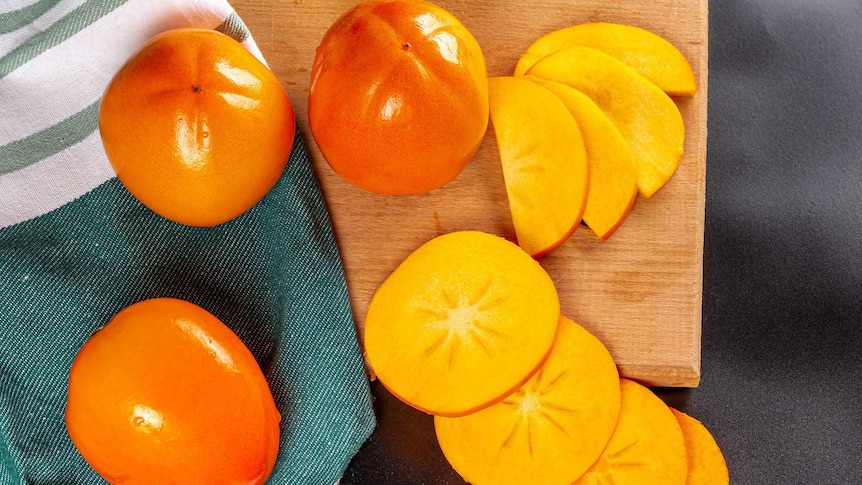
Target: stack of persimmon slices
x=584, y=125
x=468, y=328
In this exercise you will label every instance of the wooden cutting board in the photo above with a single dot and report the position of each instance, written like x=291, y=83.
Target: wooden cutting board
x=639, y=292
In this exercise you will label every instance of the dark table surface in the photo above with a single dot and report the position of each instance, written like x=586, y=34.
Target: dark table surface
x=781, y=386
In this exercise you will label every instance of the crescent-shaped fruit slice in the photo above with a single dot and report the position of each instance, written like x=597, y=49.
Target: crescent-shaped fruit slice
x=647, y=118
x=647, y=446
x=544, y=162
x=706, y=465
x=613, y=177
x=648, y=54
x=462, y=322
x=548, y=432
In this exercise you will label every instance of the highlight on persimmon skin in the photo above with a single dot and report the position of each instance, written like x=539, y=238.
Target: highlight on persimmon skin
x=706, y=464
x=462, y=322
x=550, y=430
x=647, y=446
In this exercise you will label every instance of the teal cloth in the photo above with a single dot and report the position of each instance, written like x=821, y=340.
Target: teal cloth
x=273, y=275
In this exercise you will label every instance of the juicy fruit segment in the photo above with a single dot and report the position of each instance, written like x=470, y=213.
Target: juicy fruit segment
x=165, y=392
x=463, y=321
x=544, y=162
x=551, y=429
x=196, y=127
x=613, y=178
x=706, y=465
x=648, y=54
x=647, y=118
x=646, y=447
x=398, y=102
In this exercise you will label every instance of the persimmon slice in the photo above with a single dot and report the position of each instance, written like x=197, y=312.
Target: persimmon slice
x=647, y=53
x=613, y=177
x=544, y=162
x=647, y=446
x=549, y=431
x=706, y=465
x=462, y=322
x=647, y=118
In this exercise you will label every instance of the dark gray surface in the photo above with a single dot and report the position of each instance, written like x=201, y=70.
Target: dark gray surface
x=782, y=311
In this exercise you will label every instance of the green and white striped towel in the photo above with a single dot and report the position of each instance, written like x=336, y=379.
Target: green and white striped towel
x=76, y=247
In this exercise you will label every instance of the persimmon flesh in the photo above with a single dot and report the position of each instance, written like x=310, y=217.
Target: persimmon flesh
x=398, y=102
x=462, y=322
x=551, y=429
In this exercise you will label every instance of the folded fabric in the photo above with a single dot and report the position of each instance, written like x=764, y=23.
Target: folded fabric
x=76, y=248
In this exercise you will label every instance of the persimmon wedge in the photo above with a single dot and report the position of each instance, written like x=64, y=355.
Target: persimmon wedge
x=647, y=446
x=462, y=322
x=613, y=177
x=647, y=118
x=647, y=53
x=548, y=432
x=544, y=162
x=706, y=464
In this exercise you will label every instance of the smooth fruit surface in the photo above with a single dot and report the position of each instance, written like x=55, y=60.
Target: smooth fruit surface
x=646, y=117
x=613, y=177
x=647, y=446
x=544, y=162
x=166, y=393
x=398, y=102
x=648, y=54
x=706, y=464
x=462, y=322
x=551, y=429
x=196, y=127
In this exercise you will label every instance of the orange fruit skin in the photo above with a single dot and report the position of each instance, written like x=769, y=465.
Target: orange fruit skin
x=196, y=127
x=166, y=393
x=398, y=102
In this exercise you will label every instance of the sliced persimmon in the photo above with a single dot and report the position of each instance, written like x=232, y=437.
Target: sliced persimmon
x=462, y=322
x=613, y=177
x=544, y=162
x=706, y=465
x=647, y=118
x=549, y=431
x=647, y=53
x=647, y=446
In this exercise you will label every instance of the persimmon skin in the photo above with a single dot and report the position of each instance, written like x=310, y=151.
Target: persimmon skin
x=196, y=127
x=398, y=101
x=166, y=393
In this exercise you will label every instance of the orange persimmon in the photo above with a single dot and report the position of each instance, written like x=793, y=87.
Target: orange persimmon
x=196, y=127
x=706, y=465
x=398, y=102
x=166, y=393
x=462, y=322
x=549, y=431
x=647, y=446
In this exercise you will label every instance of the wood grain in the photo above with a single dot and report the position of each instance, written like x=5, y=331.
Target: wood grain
x=639, y=292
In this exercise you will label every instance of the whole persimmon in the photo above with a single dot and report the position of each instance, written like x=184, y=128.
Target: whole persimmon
x=398, y=102
x=196, y=127
x=166, y=393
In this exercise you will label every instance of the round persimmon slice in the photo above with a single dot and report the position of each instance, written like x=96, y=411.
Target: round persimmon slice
x=462, y=322
x=647, y=446
x=549, y=431
x=706, y=465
